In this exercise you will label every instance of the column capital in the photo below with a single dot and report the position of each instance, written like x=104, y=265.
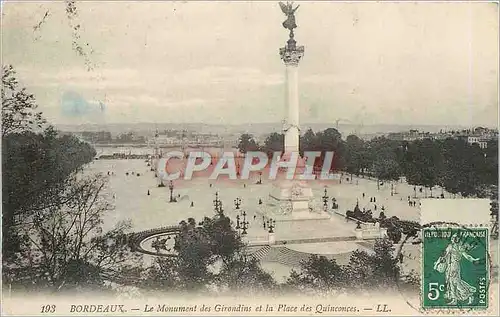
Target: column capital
x=291, y=55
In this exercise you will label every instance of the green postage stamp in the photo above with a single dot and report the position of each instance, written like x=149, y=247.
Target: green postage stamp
x=455, y=268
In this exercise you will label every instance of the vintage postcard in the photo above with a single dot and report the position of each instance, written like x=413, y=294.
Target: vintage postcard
x=255, y=158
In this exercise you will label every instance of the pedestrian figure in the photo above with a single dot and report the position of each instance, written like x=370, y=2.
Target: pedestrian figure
x=420, y=190
x=114, y=196
x=375, y=207
x=374, y=200
x=210, y=185
x=363, y=195
x=179, y=195
x=371, y=199
x=254, y=217
x=108, y=173
x=148, y=192
x=260, y=201
x=264, y=225
x=192, y=204
x=408, y=198
x=244, y=185
x=383, y=208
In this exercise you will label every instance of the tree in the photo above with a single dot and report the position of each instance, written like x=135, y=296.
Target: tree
x=18, y=106
x=385, y=265
x=462, y=164
x=308, y=142
x=247, y=143
x=318, y=274
x=360, y=269
x=331, y=140
x=200, y=246
x=489, y=173
x=63, y=247
x=244, y=274
x=379, y=270
x=354, y=157
x=274, y=143
x=385, y=164
x=36, y=171
x=424, y=164
x=162, y=275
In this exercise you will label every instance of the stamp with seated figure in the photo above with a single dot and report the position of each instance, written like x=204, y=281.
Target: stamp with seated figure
x=455, y=268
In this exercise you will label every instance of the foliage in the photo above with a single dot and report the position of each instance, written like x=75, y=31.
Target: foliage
x=162, y=275
x=379, y=270
x=37, y=166
x=244, y=274
x=62, y=246
x=247, y=143
x=453, y=164
x=385, y=165
x=356, y=158
x=273, y=143
x=52, y=213
x=18, y=106
x=425, y=165
x=318, y=274
x=200, y=246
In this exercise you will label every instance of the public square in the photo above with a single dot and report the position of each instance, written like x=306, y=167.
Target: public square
x=332, y=237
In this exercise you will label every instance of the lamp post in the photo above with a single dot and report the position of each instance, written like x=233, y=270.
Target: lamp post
x=260, y=178
x=271, y=224
x=219, y=208
x=217, y=204
x=244, y=226
x=216, y=198
x=237, y=202
x=325, y=200
x=171, y=188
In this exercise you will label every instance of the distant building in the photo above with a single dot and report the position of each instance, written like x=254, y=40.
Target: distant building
x=410, y=136
x=480, y=136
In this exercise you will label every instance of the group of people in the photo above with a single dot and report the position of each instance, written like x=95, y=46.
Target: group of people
x=411, y=203
x=127, y=173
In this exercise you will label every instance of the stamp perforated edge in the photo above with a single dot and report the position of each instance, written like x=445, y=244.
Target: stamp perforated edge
x=457, y=310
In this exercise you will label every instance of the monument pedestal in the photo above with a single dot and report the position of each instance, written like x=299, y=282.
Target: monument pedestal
x=292, y=200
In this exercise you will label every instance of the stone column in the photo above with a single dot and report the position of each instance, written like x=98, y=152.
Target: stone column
x=291, y=55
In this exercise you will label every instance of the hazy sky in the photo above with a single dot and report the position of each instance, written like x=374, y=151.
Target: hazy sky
x=396, y=63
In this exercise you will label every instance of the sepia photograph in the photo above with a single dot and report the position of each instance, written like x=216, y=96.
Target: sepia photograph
x=249, y=158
